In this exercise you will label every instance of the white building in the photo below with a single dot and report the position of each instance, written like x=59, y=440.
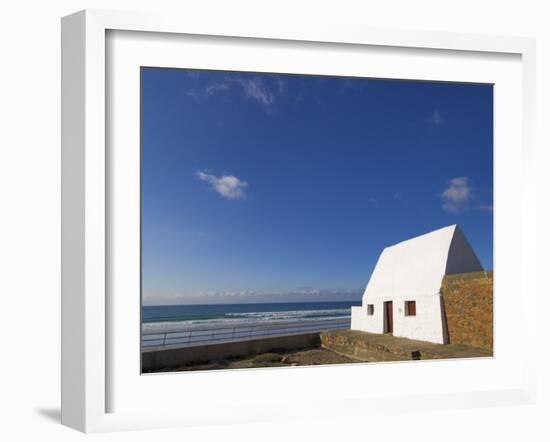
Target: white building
x=403, y=295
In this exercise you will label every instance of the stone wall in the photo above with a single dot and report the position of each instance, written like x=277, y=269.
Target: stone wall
x=468, y=306
x=375, y=347
x=171, y=358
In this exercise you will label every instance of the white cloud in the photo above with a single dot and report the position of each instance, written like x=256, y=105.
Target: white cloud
x=281, y=85
x=311, y=291
x=435, y=118
x=255, y=89
x=457, y=195
x=303, y=294
x=214, y=88
x=228, y=186
x=486, y=207
x=202, y=94
x=195, y=94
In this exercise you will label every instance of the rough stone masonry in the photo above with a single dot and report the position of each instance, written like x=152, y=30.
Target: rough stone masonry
x=468, y=303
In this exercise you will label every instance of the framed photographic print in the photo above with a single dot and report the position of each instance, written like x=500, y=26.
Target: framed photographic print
x=251, y=213
x=239, y=276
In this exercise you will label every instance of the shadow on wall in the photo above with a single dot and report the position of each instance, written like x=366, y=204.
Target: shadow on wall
x=444, y=322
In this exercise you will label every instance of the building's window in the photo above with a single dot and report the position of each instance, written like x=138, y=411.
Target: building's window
x=370, y=309
x=410, y=308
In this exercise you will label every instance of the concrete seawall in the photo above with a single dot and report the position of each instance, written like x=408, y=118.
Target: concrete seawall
x=155, y=360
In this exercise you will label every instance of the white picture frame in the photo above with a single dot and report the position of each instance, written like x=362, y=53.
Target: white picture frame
x=86, y=315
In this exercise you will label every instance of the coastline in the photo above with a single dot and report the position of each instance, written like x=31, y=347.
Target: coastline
x=328, y=347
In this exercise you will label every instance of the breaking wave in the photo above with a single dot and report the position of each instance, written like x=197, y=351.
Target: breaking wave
x=244, y=319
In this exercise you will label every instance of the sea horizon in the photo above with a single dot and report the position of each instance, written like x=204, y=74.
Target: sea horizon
x=247, y=303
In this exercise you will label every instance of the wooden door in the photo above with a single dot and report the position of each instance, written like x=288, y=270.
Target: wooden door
x=388, y=310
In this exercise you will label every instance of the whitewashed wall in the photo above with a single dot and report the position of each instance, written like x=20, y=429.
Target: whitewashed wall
x=360, y=320
x=426, y=325
x=413, y=270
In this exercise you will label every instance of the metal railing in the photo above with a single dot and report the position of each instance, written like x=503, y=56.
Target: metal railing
x=206, y=336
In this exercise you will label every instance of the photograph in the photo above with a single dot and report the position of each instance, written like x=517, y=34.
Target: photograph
x=302, y=220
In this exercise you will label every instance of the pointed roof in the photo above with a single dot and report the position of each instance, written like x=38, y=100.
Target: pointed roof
x=416, y=267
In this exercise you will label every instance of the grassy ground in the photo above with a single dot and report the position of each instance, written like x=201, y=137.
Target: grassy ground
x=472, y=275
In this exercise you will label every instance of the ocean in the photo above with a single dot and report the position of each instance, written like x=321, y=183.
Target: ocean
x=188, y=324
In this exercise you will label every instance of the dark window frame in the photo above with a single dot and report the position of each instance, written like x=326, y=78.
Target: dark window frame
x=370, y=309
x=410, y=308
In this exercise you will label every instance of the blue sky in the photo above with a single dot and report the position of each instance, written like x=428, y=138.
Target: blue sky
x=273, y=187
